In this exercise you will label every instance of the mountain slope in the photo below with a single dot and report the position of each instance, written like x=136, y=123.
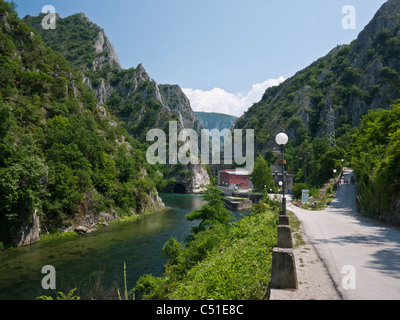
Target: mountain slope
x=136, y=100
x=352, y=79
x=64, y=163
x=332, y=94
x=130, y=94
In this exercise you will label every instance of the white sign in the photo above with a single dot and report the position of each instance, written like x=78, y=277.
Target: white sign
x=305, y=196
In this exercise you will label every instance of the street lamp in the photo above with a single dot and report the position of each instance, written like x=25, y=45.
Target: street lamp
x=342, y=165
x=282, y=139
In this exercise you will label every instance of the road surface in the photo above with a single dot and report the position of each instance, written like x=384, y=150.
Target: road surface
x=361, y=255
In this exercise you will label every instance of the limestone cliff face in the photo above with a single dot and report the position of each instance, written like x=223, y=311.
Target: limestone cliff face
x=104, y=45
x=173, y=98
x=200, y=179
x=29, y=232
x=131, y=95
x=193, y=178
x=141, y=102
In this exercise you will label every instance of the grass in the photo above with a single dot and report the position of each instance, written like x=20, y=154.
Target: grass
x=71, y=234
x=295, y=224
x=58, y=235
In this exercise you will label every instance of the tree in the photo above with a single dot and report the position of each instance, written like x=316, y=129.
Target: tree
x=20, y=187
x=211, y=213
x=375, y=160
x=262, y=174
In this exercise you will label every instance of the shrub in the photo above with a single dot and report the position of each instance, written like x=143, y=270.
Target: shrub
x=297, y=190
x=222, y=263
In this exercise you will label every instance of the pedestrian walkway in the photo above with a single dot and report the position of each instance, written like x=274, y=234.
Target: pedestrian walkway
x=362, y=256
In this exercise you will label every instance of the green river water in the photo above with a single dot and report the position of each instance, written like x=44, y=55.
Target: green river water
x=84, y=262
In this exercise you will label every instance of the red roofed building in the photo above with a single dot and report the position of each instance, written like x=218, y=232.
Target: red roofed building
x=235, y=177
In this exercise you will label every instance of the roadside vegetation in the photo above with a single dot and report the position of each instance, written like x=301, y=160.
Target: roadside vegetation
x=319, y=198
x=375, y=157
x=240, y=251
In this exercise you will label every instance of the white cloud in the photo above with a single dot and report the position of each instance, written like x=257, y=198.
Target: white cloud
x=219, y=100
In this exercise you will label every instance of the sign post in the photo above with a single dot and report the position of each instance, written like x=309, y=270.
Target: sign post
x=305, y=196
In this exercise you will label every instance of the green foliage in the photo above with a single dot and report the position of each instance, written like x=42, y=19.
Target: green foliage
x=57, y=154
x=212, y=213
x=70, y=296
x=375, y=159
x=262, y=175
x=173, y=250
x=391, y=76
x=127, y=295
x=21, y=170
x=77, y=41
x=221, y=263
x=298, y=188
x=350, y=76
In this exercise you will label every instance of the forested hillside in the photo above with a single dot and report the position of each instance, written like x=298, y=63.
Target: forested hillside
x=138, y=103
x=64, y=161
x=320, y=106
x=130, y=94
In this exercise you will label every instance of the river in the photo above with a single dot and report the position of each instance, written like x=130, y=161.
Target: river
x=94, y=263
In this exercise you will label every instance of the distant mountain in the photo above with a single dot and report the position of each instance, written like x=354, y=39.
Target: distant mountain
x=211, y=120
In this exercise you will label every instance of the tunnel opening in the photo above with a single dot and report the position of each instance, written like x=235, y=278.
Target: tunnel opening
x=179, y=188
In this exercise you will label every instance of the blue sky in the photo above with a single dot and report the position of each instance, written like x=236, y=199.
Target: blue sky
x=224, y=53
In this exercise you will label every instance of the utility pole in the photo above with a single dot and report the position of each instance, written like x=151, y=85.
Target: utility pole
x=331, y=127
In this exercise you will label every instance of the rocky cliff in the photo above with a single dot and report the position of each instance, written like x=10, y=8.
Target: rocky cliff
x=130, y=94
x=136, y=100
x=59, y=149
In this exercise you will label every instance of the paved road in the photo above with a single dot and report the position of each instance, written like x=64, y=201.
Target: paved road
x=362, y=255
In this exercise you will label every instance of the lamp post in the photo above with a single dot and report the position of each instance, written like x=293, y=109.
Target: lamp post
x=282, y=139
x=283, y=272
x=342, y=166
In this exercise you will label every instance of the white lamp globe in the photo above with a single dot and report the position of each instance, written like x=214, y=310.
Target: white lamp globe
x=281, y=139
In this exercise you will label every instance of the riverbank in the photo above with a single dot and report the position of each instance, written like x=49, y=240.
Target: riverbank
x=95, y=261
x=80, y=231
